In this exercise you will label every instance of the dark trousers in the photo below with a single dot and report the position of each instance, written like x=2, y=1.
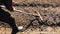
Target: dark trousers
x=6, y=18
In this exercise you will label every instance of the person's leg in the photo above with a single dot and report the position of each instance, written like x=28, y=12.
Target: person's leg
x=6, y=18
x=8, y=4
x=11, y=22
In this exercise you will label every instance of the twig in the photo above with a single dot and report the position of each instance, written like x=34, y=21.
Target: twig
x=40, y=17
x=26, y=12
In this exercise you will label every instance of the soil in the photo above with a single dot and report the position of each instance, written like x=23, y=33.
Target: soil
x=49, y=10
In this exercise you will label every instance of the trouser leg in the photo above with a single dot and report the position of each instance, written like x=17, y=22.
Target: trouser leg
x=6, y=18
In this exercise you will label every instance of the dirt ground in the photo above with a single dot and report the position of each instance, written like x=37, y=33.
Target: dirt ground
x=50, y=14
